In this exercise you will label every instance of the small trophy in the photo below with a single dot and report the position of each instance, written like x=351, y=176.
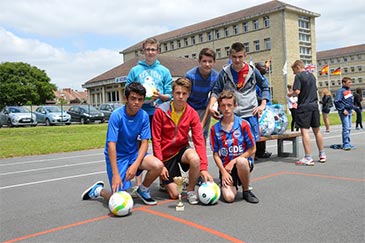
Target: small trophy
x=179, y=180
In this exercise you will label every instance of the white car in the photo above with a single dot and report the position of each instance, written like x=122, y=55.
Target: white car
x=52, y=115
x=15, y=116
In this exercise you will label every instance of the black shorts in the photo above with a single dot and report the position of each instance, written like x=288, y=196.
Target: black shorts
x=308, y=119
x=172, y=166
x=234, y=174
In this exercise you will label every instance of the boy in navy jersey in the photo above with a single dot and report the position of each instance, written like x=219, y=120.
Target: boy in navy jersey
x=233, y=145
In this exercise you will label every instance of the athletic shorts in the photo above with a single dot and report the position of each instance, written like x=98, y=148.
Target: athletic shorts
x=308, y=119
x=123, y=164
x=234, y=174
x=173, y=166
x=254, y=125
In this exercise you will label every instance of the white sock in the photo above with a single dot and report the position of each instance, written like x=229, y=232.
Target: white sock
x=143, y=188
x=98, y=190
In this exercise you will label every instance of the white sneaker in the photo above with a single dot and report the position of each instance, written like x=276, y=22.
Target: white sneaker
x=305, y=161
x=193, y=198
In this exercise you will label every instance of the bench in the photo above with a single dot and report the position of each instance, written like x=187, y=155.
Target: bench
x=287, y=136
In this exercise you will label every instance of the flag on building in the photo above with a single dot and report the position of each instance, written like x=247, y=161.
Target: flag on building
x=285, y=68
x=337, y=71
x=268, y=63
x=324, y=70
x=310, y=68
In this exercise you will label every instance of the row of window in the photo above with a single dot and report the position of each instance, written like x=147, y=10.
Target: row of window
x=339, y=82
x=225, y=52
x=341, y=59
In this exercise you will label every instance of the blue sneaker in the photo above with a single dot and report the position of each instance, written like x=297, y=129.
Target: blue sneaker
x=91, y=193
x=146, y=197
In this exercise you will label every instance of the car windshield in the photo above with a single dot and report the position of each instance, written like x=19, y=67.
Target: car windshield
x=18, y=110
x=89, y=108
x=116, y=105
x=53, y=109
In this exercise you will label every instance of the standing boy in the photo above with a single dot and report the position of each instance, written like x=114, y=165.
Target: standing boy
x=233, y=145
x=124, y=158
x=171, y=124
x=344, y=104
x=202, y=79
x=305, y=88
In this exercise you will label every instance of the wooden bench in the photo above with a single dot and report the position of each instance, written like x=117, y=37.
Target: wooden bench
x=287, y=136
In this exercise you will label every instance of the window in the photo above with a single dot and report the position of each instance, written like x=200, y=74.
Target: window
x=226, y=31
x=235, y=29
x=245, y=27
x=166, y=47
x=193, y=40
x=255, y=24
x=201, y=38
x=303, y=22
x=267, y=21
x=247, y=47
x=338, y=60
x=345, y=70
x=210, y=37
x=172, y=45
x=178, y=44
x=136, y=53
x=219, y=53
x=193, y=55
x=331, y=60
x=186, y=56
x=186, y=41
x=345, y=59
x=352, y=58
x=256, y=43
x=267, y=43
x=227, y=50
x=304, y=37
x=360, y=80
x=359, y=68
x=217, y=34
x=352, y=69
x=359, y=57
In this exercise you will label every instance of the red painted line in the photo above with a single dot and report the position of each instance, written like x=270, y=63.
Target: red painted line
x=327, y=176
x=194, y=225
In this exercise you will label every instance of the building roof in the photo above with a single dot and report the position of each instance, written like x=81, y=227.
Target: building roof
x=259, y=10
x=71, y=95
x=178, y=66
x=338, y=52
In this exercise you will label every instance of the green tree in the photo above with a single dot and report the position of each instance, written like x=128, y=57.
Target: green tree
x=21, y=83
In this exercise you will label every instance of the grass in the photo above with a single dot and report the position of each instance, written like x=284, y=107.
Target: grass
x=38, y=140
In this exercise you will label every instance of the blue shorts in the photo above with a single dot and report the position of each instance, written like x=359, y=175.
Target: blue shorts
x=254, y=125
x=123, y=164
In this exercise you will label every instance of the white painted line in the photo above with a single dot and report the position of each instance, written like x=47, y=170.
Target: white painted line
x=51, y=180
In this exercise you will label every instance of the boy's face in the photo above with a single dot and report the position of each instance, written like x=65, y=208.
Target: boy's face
x=206, y=64
x=134, y=103
x=226, y=107
x=180, y=95
x=348, y=83
x=237, y=58
x=150, y=52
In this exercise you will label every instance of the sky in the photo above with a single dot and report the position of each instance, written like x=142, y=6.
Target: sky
x=76, y=40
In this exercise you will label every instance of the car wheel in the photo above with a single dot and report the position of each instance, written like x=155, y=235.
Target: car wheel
x=48, y=123
x=68, y=123
x=82, y=120
x=10, y=124
x=102, y=121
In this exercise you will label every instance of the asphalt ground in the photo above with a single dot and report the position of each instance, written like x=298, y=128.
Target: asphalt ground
x=40, y=202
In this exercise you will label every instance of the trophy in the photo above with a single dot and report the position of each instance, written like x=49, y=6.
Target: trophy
x=179, y=180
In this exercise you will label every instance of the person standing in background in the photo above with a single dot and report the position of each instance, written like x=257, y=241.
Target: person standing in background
x=358, y=108
x=292, y=106
x=344, y=104
x=326, y=107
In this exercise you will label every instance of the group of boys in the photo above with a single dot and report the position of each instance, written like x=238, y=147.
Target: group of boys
x=176, y=109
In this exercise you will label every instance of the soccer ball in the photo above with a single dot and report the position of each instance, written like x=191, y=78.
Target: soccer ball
x=121, y=203
x=149, y=92
x=209, y=193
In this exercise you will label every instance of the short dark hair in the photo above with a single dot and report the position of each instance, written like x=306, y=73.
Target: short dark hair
x=135, y=87
x=345, y=79
x=237, y=46
x=207, y=52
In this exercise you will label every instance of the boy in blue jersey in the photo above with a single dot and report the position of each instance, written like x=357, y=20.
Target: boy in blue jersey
x=202, y=79
x=124, y=158
x=233, y=145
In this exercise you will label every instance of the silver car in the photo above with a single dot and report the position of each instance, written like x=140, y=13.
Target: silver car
x=52, y=115
x=15, y=116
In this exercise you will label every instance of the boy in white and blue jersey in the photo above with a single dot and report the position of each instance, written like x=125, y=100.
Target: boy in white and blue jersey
x=233, y=144
x=124, y=158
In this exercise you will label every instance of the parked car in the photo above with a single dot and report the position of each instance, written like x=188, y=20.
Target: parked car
x=108, y=108
x=52, y=115
x=85, y=114
x=15, y=116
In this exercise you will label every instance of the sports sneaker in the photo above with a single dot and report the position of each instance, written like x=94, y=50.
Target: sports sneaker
x=91, y=192
x=249, y=197
x=193, y=198
x=305, y=161
x=134, y=191
x=347, y=148
x=322, y=158
x=146, y=197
